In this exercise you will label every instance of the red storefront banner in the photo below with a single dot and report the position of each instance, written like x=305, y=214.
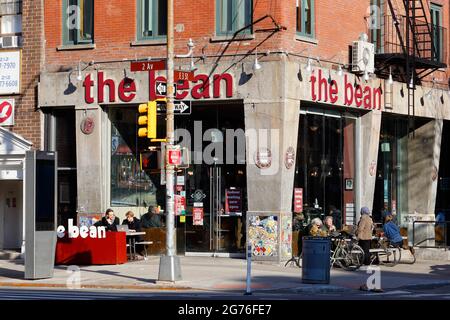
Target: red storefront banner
x=197, y=216
x=298, y=200
x=233, y=201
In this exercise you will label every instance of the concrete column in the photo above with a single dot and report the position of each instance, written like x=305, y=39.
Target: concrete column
x=423, y=167
x=275, y=126
x=89, y=162
x=368, y=155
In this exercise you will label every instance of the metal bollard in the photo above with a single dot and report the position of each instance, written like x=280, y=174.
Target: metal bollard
x=248, y=290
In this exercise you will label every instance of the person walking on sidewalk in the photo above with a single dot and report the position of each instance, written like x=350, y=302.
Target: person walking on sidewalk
x=364, y=233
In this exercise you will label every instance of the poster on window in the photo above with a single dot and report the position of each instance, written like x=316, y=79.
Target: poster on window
x=180, y=205
x=233, y=201
x=197, y=216
x=10, y=63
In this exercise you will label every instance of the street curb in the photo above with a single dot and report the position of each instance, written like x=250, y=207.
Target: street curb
x=422, y=286
x=95, y=286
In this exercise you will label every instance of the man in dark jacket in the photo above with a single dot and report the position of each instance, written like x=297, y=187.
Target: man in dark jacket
x=152, y=219
x=110, y=221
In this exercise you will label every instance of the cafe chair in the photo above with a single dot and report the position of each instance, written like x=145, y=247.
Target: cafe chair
x=145, y=243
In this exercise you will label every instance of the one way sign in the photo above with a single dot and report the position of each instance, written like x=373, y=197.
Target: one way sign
x=181, y=107
x=161, y=88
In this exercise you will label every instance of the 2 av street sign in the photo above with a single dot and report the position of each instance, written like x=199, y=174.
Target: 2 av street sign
x=148, y=65
x=181, y=107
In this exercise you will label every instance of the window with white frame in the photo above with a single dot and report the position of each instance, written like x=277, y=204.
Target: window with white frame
x=10, y=18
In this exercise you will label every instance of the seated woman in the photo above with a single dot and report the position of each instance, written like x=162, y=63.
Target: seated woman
x=132, y=222
x=315, y=228
x=392, y=232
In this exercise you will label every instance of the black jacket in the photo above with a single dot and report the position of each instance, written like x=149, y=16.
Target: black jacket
x=110, y=227
x=134, y=225
x=151, y=221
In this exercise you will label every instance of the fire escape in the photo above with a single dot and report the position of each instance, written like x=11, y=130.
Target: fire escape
x=410, y=47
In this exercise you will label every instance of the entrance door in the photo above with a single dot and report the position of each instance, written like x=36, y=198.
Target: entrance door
x=214, y=222
x=215, y=184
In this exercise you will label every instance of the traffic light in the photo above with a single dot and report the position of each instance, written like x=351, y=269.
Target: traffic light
x=147, y=118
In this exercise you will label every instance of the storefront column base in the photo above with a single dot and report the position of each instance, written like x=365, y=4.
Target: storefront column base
x=169, y=268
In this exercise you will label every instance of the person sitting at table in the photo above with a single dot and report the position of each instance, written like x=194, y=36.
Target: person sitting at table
x=328, y=225
x=152, y=219
x=132, y=222
x=110, y=221
x=392, y=232
x=315, y=228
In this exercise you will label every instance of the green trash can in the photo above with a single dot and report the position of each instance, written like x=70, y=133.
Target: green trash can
x=316, y=260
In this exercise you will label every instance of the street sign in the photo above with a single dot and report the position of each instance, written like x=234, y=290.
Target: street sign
x=179, y=75
x=6, y=112
x=181, y=107
x=161, y=88
x=148, y=65
x=174, y=156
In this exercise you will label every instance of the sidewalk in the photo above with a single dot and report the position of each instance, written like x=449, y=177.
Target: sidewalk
x=224, y=275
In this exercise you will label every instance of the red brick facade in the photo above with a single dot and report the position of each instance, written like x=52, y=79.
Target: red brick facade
x=27, y=119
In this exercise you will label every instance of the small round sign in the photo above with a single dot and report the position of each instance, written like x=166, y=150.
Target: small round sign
x=263, y=158
x=289, y=159
x=87, y=125
x=6, y=111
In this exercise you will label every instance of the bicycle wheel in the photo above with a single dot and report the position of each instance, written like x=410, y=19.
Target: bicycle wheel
x=343, y=259
x=356, y=255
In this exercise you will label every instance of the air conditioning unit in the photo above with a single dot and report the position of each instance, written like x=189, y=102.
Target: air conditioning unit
x=10, y=42
x=363, y=57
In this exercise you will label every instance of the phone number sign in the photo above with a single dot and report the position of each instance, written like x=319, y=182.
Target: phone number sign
x=10, y=72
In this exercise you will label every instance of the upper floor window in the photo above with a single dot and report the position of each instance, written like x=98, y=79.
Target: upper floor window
x=233, y=15
x=10, y=23
x=436, y=22
x=78, y=21
x=305, y=18
x=152, y=19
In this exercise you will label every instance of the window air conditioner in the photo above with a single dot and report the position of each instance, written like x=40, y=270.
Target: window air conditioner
x=363, y=57
x=10, y=42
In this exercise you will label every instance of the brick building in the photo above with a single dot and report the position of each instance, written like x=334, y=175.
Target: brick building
x=341, y=120
x=21, y=59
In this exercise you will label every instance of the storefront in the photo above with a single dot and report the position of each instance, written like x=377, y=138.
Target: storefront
x=251, y=142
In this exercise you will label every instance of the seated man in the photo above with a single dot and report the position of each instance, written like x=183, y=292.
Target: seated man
x=392, y=232
x=132, y=222
x=109, y=221
x=152, y=219
x=328, y=225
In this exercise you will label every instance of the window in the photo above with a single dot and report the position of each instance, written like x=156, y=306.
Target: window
x=78, y=21
x=135, y=177
x=152, y=19
x=233, y=15
x=10, y=17
x=436, y=22
x=305, y=18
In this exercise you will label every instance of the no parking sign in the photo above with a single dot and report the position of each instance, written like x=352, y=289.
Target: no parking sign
x=6, y=112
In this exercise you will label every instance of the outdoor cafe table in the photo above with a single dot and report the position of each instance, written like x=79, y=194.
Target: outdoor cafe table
x=131, y=242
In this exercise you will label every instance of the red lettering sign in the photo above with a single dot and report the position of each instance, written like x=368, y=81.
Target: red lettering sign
x=325, y=89
x=298, y=200
x=174, y=157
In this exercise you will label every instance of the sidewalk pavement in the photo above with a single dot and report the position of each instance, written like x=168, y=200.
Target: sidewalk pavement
x=224, y=275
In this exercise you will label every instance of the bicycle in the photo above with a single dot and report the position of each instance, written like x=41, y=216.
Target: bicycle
x=347, y=254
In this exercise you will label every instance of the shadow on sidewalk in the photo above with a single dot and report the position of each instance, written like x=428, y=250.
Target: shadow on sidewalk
x=118, y=274
x=12, y=274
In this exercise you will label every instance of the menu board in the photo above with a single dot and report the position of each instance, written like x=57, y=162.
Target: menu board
x=233, y=201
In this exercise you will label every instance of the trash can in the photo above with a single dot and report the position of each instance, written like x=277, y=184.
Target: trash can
x=316, y=260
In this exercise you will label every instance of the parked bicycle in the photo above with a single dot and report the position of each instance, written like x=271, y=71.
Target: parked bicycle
x=346, y=253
